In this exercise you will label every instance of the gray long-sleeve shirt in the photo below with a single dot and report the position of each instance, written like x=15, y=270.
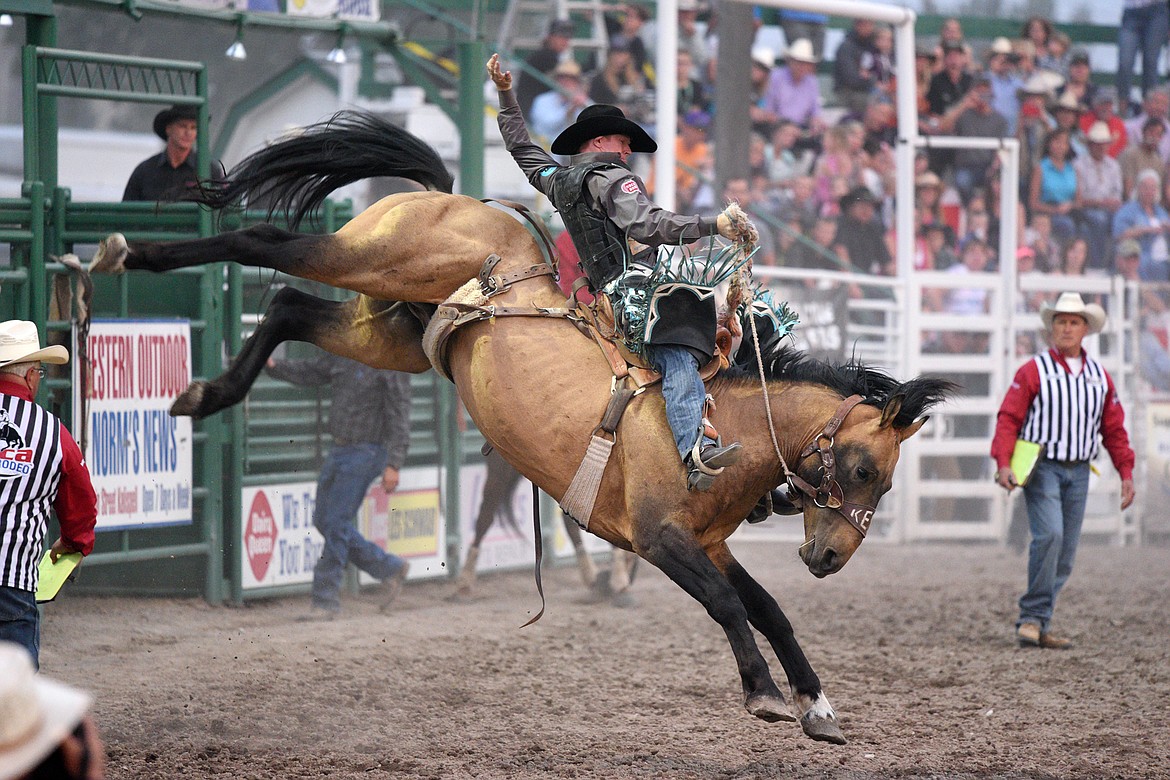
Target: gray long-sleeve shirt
x=369, y=405
x=616, y=191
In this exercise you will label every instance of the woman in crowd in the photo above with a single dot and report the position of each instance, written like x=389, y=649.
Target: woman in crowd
x=1053, y=187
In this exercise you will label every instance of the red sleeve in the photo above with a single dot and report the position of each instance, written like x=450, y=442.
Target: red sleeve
x=1113, y=434
x=76, y=502
x=1013, y=411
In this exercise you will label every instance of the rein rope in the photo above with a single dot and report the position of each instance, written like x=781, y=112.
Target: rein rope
x=828, y=494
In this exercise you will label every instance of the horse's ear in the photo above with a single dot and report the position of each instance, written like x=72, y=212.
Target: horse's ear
x=890, y=411
x=913, y=427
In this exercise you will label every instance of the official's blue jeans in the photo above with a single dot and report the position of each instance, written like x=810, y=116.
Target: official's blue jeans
x=1144, y=29
x=345, y=477
x=20, y=622
x=683, y=391
x=1055, y=497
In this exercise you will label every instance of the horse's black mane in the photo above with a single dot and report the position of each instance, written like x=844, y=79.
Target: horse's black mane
x=296, y=174
x=852, y=377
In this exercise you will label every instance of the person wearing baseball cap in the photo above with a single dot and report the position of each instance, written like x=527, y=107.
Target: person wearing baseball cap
x=1005, y=81
x=617, y=230
x=170, y=174
x=1063, y=401
x=45, y=473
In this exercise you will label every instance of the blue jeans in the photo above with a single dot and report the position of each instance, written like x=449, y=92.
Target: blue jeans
x=683, y=391
x=1095, y=227
x=345, y=477
x=20, y=622
x=1144, y=29
x=1055, y=496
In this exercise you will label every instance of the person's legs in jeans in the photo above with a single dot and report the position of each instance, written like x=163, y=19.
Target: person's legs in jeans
x=1128, y=37
x=345, y=477
x=1094, y=227
x=1075, y=490
x=683, y=391
x=1155, y=27
x=1043, y=497
x=20, y=621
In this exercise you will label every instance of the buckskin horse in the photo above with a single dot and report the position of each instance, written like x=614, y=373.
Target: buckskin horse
x=537, y=388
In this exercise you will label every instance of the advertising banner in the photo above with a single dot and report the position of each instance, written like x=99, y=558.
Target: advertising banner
x=139, y=456
x=280, y=546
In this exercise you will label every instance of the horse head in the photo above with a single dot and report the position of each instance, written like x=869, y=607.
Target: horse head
x=849, y=466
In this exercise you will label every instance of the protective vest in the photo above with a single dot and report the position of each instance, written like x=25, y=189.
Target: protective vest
x=600, y=244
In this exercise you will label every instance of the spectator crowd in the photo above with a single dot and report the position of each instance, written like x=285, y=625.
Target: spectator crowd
x=1093, y=157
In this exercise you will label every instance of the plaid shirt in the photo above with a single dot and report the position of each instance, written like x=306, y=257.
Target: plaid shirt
x=369, y=405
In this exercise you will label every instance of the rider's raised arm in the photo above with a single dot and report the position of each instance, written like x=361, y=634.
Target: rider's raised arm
x=640, y=218
x=531, y=158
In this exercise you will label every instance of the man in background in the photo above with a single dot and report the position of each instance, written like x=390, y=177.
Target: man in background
x=168, y=175
x=369, y=420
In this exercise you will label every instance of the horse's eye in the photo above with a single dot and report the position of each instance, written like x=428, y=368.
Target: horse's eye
x=863, y=473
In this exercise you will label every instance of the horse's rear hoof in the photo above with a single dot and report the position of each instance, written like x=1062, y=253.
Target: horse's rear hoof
x=769, y=707
x=461, y=595
x=189, y=403
x=111, y=255
x=823, y=729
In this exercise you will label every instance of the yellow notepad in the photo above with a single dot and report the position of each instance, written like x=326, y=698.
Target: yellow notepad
x=53, y=575
x=1024, y=458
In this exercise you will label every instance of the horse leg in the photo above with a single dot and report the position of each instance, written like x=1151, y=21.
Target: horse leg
x=619, y=578
x=263, y=246
x=679, y=556
x=817, y=717
x=382, y=334
x=498, y=487
x=585, y=563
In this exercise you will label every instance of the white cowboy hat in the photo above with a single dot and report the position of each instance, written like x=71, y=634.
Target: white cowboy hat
x=801, y=50
x=20, y=343
x=763, y=56
x=35, y=713
x=1000, y=45
x=1099, y=134
x=1072, y=303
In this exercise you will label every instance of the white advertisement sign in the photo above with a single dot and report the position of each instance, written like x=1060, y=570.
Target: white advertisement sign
x=280, y=546
x=139, y=456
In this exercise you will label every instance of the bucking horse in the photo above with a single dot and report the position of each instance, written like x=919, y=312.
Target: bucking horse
x=537, y=386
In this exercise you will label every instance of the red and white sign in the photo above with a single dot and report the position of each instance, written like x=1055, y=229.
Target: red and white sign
x=259, y=536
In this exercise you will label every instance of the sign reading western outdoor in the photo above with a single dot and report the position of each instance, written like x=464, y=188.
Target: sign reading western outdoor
x=280, y=546
x=139, y=456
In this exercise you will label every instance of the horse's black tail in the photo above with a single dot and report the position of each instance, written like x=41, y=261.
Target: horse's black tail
x=296, y=174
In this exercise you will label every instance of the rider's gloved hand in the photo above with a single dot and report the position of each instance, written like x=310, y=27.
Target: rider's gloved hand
x=733, y=223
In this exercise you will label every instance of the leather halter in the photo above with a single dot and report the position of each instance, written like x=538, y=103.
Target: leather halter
x=829, y=495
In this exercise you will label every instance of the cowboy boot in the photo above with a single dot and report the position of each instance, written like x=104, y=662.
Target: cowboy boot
x=707, y=461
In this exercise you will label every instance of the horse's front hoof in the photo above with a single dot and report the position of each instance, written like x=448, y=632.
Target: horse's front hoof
x=769, y=707
x=111, y=255
x=190, y=401
x=822, y=729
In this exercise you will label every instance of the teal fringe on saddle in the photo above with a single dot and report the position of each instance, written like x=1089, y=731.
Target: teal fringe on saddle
x=764, y=304
x=631, y=293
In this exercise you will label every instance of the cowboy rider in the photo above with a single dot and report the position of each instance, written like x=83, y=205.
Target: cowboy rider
x=614, y=226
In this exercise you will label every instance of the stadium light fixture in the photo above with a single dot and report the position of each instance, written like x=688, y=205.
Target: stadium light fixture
x=337, y=54
x=237, y=51
x=6, y=20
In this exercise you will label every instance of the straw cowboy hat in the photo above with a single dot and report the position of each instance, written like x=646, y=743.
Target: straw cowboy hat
x=1099, y=134
x=1067, y=102
x=20, y=343
x=598, y=120
x=764, y=57
x=1072, y=303
x=801, y=50
x=35, y=713
x=173, y=114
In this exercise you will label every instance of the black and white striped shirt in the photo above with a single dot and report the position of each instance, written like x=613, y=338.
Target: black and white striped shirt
x=30, y=471
x=1065, y=416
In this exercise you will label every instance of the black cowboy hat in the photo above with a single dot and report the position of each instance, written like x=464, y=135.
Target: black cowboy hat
x=168, y=115
x=598, y=120
x=859, y=194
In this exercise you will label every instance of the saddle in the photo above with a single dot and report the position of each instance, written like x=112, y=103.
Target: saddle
x=599, y=319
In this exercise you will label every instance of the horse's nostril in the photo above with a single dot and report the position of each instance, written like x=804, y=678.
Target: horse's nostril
x=829, y=560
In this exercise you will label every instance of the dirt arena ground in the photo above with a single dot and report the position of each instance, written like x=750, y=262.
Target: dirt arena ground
x=913, y=645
